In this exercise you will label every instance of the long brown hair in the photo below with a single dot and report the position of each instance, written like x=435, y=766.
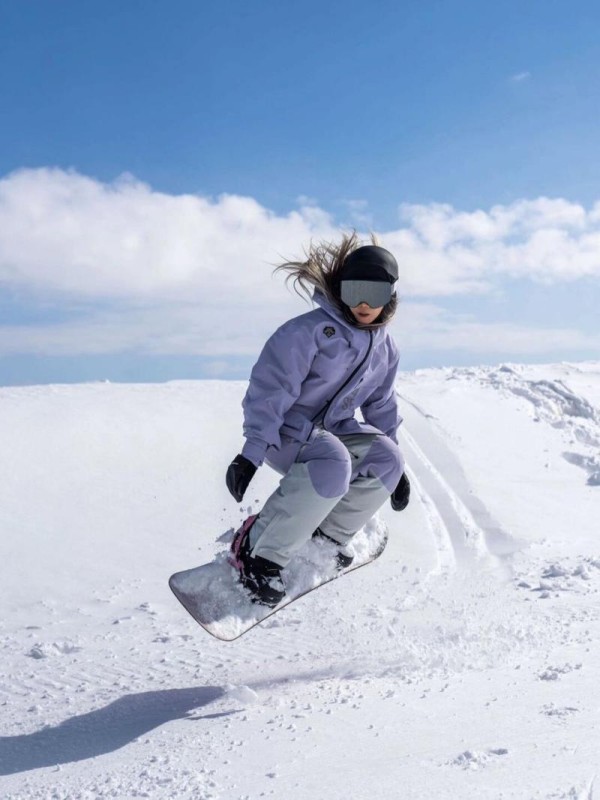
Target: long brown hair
x=321, y=270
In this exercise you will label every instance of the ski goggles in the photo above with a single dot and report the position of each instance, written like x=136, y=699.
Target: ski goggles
x=374, y=293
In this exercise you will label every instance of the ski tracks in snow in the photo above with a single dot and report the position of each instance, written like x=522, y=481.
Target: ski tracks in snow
x=462, y=527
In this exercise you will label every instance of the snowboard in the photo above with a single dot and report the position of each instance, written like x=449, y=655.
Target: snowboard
x=215, y=598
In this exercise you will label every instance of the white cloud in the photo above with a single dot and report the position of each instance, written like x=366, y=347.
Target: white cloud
x=209, y=326
x=64, y=232
x=149, y=272
x=446, y=251
x=519, y=77
x=359, y=214
x=204, y=330
x=61, y=232
x=427, y=327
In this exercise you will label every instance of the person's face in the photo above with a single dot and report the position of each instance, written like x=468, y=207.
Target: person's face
x=364, y=314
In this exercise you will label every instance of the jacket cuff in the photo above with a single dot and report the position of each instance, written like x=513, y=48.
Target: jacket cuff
x=255, y=452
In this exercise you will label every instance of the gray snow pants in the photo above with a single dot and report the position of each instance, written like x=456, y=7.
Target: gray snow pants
x=333, y=482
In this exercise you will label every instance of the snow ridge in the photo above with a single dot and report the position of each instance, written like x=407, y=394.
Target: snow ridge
x=555, y=403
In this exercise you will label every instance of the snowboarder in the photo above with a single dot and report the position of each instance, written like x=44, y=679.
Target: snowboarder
x=313, y=373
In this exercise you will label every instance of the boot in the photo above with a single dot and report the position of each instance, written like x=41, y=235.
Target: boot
x=343, y=557
x=261, y=577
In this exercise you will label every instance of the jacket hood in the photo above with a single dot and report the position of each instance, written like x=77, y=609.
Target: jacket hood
x=330, y=307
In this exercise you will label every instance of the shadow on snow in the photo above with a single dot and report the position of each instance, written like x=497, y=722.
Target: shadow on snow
x=101, y=731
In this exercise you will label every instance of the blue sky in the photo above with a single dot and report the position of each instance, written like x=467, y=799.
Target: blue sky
x=309, y=119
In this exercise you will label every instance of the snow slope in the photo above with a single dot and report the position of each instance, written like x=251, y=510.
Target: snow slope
x=462, y=664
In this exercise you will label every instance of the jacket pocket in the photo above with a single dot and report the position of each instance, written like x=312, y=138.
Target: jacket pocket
x=296, y=426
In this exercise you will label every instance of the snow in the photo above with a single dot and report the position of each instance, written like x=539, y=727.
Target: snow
x=463, y=663
x=223, y=607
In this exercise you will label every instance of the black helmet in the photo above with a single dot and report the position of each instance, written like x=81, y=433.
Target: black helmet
x=370, y=263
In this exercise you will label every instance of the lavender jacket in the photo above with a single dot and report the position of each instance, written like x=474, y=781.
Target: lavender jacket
x=317, y=369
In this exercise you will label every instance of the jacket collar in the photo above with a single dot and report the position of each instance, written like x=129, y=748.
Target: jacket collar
x=327, y=305
x=330, y=308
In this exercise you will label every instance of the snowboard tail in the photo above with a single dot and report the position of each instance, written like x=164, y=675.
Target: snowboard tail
x=213, y=595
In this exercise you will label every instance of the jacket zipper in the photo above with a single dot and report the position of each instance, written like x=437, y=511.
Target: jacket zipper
x=327, y=405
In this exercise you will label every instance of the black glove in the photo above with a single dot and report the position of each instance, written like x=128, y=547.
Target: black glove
x=401, y=494
x=239, y=474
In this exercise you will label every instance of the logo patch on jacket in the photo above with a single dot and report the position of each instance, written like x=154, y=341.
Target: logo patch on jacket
x=329, y=331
